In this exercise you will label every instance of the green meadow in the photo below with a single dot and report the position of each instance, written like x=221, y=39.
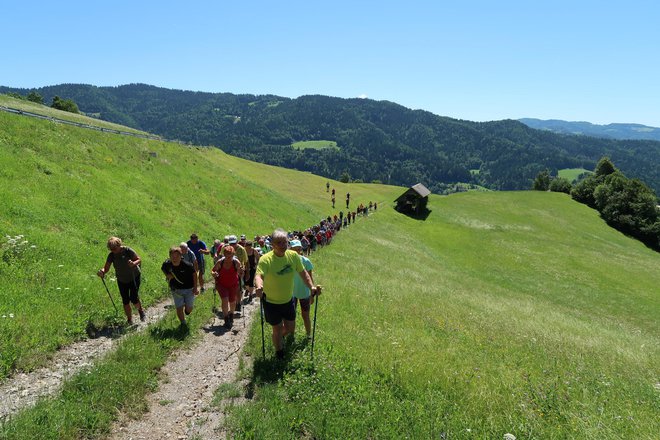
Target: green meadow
x=316, y=145
x=572, y=174
x=502, y=312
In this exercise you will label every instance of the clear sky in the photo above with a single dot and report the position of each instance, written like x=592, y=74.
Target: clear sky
x=595, y=61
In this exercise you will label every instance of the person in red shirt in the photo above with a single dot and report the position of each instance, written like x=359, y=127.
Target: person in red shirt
x=227, y=273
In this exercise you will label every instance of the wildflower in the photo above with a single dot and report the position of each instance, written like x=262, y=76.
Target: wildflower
x=33, y=246
x=4, y=316
x=509, y=437
x=59, y=288
x=11, y=315
x=60, y=265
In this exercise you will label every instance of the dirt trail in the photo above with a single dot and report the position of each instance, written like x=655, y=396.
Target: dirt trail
x=24, y=389
x=179, y=409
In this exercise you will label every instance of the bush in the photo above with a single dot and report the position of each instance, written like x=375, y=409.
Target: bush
x=65, y=104
x=35, y=97
x=560, y=184
x=542, y=181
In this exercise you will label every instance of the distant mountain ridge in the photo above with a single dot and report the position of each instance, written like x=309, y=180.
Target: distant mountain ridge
x=610, y=131
x=376, y=140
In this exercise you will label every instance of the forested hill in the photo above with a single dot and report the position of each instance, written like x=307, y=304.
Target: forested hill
x=375, y=140
x=613, y=131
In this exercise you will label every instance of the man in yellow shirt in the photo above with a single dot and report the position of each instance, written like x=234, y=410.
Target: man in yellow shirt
x=273, y=283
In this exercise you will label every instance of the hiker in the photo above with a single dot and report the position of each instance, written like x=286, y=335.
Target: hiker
x=375, y=206
x=183, y=283
x=188, y=255
x=274, y=286
x=241, y=254
x=227, y=273
x=199, y=249
x=301, y=294
x=333, y=200
x=127, y=272
x=353, y=216
x=253, y=258
x=215, y=250
x=327, y=186
x=348, y=199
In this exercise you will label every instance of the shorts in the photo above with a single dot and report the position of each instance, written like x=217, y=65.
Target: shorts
x=304, y=303
x=231, y=293
x=129, y=291
x=201, y=265
x=275, y=313
x=183, y=297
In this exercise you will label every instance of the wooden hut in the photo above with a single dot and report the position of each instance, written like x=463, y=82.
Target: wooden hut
x=414, y=200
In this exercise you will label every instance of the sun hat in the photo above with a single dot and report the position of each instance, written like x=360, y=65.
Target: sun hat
x=295, y=243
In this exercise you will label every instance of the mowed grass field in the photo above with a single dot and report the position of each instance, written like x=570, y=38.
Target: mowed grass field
x=501, y=313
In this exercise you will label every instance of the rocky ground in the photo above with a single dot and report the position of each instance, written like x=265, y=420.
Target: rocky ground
x=24, y=389
x=181, y=407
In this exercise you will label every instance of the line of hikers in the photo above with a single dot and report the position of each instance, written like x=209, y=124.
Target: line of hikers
x=265, y=267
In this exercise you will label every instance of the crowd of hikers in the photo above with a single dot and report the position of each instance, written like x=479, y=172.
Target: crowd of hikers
x=275, y=268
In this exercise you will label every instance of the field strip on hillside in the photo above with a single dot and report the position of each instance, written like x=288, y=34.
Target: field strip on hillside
x=24, y=389
x=180, y=407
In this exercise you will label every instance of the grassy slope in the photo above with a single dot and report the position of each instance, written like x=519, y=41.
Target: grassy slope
x=503, y=312
x=44, y=110
x=67, y=189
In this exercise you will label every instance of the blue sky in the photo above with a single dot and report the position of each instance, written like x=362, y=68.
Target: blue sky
x=477, y=60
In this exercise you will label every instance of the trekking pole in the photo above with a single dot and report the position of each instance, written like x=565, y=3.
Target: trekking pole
x=107, y=290
x=316, y=305
x=261, y=312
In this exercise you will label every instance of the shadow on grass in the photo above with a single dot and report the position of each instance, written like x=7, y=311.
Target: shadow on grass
x=178, y=333
x=271, y=369
x=422, y=215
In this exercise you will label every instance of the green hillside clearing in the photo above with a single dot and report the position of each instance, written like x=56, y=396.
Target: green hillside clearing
x=571, y=174
x=316, y=145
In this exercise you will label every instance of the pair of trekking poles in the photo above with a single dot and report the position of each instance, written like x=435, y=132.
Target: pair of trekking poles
x=263, y=337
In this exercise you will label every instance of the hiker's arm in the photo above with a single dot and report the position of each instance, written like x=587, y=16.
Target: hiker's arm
x=309, y=283
x=135, y=261
x=258, y=285
x=104, y=269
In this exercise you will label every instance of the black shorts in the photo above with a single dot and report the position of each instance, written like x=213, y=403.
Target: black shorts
x=275, y=313
x=129, y=291
x=250, y=281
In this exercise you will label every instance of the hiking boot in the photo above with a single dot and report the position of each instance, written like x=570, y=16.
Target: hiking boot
x=129, y=322
x=143, y=316
x=238, y=306
x=227, y=323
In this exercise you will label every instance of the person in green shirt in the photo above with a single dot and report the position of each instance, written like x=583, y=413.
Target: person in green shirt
x=273, y=284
